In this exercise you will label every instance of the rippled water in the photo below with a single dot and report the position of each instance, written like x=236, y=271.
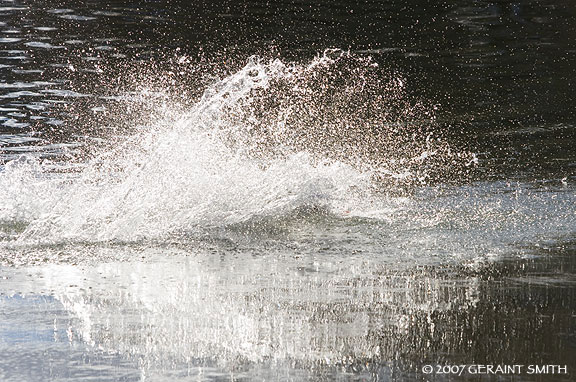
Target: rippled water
x=286, y=190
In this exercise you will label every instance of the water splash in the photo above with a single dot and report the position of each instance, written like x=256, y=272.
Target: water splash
x=265, y=141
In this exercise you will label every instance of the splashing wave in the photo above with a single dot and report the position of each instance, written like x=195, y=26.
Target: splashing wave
x=267, y=140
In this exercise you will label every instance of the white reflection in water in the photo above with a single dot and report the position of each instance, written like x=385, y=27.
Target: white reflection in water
x=236, y=309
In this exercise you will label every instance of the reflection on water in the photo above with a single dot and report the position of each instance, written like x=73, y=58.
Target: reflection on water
x=229, y=316
x=308, y=297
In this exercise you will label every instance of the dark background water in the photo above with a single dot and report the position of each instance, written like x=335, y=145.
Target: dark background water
x=502, y=72
x=491, y=66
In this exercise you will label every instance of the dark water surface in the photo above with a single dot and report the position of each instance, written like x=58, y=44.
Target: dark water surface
x=266, y=190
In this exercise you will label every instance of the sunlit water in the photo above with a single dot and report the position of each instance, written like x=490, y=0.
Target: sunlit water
x=307, y=215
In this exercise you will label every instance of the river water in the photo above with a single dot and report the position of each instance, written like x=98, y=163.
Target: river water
x=291, y=191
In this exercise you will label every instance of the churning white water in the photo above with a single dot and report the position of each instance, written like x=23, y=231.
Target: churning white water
x=226, y=162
